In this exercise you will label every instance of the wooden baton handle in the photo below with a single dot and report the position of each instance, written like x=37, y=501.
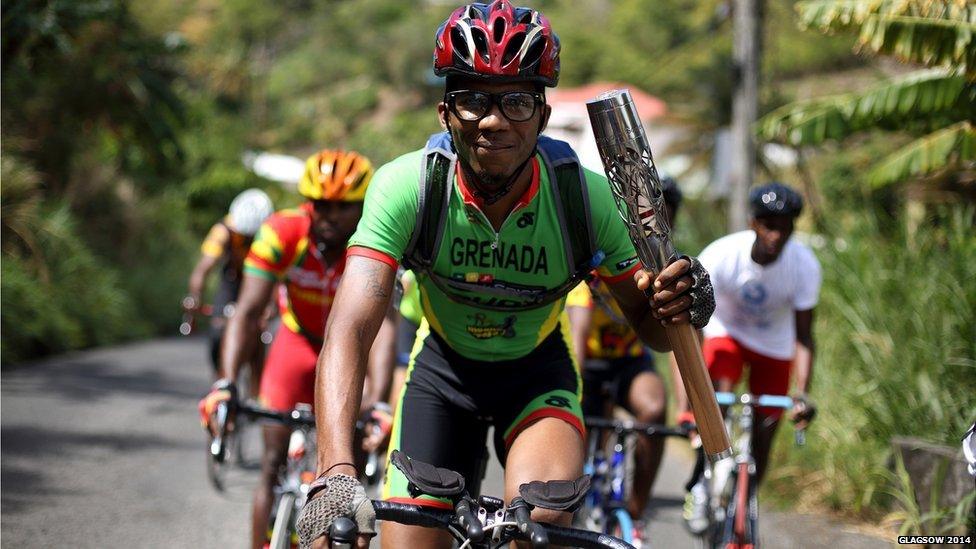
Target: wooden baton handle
x=691, y=364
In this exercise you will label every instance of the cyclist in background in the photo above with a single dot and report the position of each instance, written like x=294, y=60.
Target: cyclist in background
x=766, y=287
x=226, y=245
x=611, y=353
x=493, y=346
x=303, y=249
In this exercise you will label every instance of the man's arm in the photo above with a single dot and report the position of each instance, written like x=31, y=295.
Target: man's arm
x=803, y=363
x=244, y=327
x=360, y=306
x=198, y=278
x=669, y=299
x=580, y=320
x=382, y=357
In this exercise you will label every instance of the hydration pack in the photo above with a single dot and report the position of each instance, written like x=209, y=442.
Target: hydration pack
x=568, y=184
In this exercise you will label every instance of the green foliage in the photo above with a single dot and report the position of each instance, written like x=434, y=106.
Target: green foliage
x=948, y=146
x=932, y=33
x=896, y=353
x=938, y=34
x=922, y=99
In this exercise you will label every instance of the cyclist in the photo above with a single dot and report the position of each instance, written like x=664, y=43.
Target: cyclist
x=303, y=249
x=766, y=287
x=493, y=343
x=611, y=353
x=227, y=243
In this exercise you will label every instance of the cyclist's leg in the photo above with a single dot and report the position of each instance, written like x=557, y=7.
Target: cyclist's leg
x=767, y=376
x=436, y=424
x=289, y=378
x=641, y=391
x=539, y=424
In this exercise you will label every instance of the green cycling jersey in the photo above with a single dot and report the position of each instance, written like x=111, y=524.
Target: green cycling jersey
x=528, y=251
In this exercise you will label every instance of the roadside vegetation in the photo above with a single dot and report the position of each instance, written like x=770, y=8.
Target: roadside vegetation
x=124, y=124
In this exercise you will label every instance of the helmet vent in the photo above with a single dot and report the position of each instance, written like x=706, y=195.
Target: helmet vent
x=498, y=30
x=460, y=46
x=524, y=16
x=480, y=43
x=475, y=13
x=513, y=47
x=534, y=54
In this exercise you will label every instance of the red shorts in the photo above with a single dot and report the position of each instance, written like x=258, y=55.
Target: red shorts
x=289, y=372
x=726, y=357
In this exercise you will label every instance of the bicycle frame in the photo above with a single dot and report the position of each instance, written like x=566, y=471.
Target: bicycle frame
x=734, y=521
x=608, y=487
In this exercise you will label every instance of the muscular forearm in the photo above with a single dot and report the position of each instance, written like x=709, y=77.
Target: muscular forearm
x=382, y=357
x=198, y=278
x=240, y=336
x=803, y=365
x=360, y=306
x=341, y=369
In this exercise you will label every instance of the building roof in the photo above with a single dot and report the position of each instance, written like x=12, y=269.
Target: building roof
x=648, y=106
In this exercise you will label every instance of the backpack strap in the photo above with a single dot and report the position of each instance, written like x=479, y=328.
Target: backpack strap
x=568, y=185
x=437, y=165
x=572, y=204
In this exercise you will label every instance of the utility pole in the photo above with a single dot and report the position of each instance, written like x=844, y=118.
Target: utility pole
x=746, y=54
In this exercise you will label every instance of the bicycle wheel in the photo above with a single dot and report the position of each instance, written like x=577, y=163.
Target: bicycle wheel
x=281, y=533
x=620, y=525
x=740, y=521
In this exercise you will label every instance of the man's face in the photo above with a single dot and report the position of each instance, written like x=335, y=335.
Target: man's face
x=334, y=222
x=494, y=146
x=772, y=234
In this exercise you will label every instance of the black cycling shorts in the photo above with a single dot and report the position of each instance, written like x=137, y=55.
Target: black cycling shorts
x=614, y=374
x=449, y=401
x=405, y=337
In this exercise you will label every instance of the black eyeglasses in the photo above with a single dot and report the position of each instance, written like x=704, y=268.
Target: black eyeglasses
x=472, y=106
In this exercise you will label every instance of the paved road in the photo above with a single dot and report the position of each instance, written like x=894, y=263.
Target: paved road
x=103, y=449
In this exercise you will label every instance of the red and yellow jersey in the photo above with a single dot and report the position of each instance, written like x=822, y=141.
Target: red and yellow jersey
x=221, y=242
x=283, y=251
x=610, y=335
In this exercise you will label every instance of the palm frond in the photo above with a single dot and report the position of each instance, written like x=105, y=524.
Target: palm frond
x=933, y=33
x=942, y=148
x=923, y=95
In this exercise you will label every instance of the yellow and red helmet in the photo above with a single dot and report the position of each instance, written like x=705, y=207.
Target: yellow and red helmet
x=340, y=176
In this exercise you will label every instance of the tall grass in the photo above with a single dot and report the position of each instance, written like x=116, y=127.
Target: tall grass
x=896, y=355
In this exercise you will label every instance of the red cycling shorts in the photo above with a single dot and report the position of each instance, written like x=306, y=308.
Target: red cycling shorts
x=289, y=372
x=726, y=358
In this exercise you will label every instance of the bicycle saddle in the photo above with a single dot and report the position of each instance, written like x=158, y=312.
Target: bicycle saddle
x=424, y=478
x=557, y=495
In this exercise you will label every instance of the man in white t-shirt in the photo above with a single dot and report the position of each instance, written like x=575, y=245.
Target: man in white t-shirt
x=766, y=287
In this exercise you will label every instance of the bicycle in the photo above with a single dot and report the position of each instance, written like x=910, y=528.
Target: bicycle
x=244, y=442
x=484, y=522
x=300, y=466
x=730, y=485
x=604, y=509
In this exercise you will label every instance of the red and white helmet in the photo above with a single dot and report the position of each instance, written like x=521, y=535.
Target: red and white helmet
x=498, y=42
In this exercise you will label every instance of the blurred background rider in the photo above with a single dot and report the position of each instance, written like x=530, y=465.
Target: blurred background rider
x=226, y=245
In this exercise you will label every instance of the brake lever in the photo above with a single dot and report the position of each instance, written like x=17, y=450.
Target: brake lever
x=522, y=511
x=217, y=443
x=800, y=437
x=469, y=521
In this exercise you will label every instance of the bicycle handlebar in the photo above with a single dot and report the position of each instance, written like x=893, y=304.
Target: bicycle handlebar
x=416, y=515
x=770, y=401
x=627, y=426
